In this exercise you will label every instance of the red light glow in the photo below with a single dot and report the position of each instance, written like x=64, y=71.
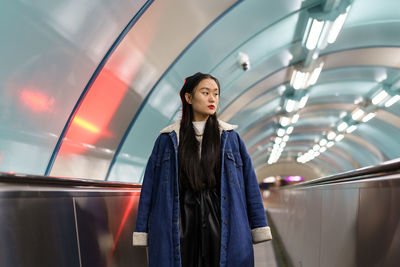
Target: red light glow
x=37, y=101
x=86, y=125
x=132, y=202
x=107, y=92
x=95, y=113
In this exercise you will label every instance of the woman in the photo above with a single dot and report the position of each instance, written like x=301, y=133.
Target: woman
x=200, y=204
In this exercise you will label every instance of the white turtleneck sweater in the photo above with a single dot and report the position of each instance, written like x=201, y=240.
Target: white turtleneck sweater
x=199, y=129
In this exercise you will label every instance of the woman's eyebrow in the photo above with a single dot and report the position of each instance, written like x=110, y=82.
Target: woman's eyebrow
x=215, y=89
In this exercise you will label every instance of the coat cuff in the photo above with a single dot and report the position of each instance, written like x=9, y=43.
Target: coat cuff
x=261, y=234
x=139, y=239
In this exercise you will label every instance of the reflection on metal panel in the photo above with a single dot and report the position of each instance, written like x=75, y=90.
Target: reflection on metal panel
x=299, y=221
x=339, y=211
x=50, y=225
x=105, y=226
x=37, y=232
x=344, y=224
x=378, y=240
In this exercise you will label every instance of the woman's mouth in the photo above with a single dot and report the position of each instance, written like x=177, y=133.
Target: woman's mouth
x=211, y=106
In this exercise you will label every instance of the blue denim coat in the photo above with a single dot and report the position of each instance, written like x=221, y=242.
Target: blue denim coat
x=243, y=219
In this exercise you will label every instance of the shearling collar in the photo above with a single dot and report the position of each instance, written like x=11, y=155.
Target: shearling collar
x=175, y=127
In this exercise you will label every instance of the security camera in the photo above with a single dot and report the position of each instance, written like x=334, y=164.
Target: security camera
x=244, y=61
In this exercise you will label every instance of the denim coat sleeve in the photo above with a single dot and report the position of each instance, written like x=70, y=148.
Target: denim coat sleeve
x=144, y=210
x=255, y=209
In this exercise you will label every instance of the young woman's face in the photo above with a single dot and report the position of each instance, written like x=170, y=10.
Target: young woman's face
x=204, y=99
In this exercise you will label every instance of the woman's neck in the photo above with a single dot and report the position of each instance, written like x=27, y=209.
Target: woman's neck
x=200, y=117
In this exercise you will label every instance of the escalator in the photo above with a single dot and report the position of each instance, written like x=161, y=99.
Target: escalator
x=349, y=219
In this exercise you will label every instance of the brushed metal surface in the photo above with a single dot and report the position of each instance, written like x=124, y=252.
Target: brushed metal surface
x=105, y=226
x=378, y=227
x=72, y=225
x=304, y=223
x=338, y=227
x=352, y=223
x=37, y=232
x=310, y=241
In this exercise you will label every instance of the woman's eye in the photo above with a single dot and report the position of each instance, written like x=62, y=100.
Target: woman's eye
x=205, y=93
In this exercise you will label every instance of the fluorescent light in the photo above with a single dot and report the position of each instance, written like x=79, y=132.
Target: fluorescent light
x=303, y=101
x=351, y=129
x=331, y=135
x=281, y=132
x=289, y=130
x=284, y=121
x=330, y=144
x=323, y=42
x=342, y=126
x=285, y=138
x=368, y=116
x=316, y=153
x=316, y=147
x=283, y=144
x=274, y=154
x=307, y=31
x=295, y=118
x=315, y=74
x=278, y=140
x=336, y=27
x=323, y=142
x=270, y=179
x=314, y=34
x=290, y=104
x=392, y=100
x=339, y=137
x=379, y=97
x=322, y=149
x=357, y=114
x=299, y=79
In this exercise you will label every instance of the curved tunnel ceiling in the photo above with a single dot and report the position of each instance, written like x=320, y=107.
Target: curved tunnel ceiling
x=140, y=70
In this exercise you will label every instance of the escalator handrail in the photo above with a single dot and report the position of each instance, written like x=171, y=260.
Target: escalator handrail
x=388, y=167
x=61, y=181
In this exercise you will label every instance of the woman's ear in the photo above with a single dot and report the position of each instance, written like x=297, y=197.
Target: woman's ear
x=188, y=98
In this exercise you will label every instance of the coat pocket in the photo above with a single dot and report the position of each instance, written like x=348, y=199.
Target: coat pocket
x=235, y=167
x=162, y=164
x=235, y=157
x=162, y=159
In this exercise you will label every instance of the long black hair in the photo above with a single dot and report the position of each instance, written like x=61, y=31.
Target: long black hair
x=195, y=173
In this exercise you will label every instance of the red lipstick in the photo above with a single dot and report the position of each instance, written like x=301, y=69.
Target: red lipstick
x=211, y=106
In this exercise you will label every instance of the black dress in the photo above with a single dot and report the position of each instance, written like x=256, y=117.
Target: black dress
x=200, y=227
